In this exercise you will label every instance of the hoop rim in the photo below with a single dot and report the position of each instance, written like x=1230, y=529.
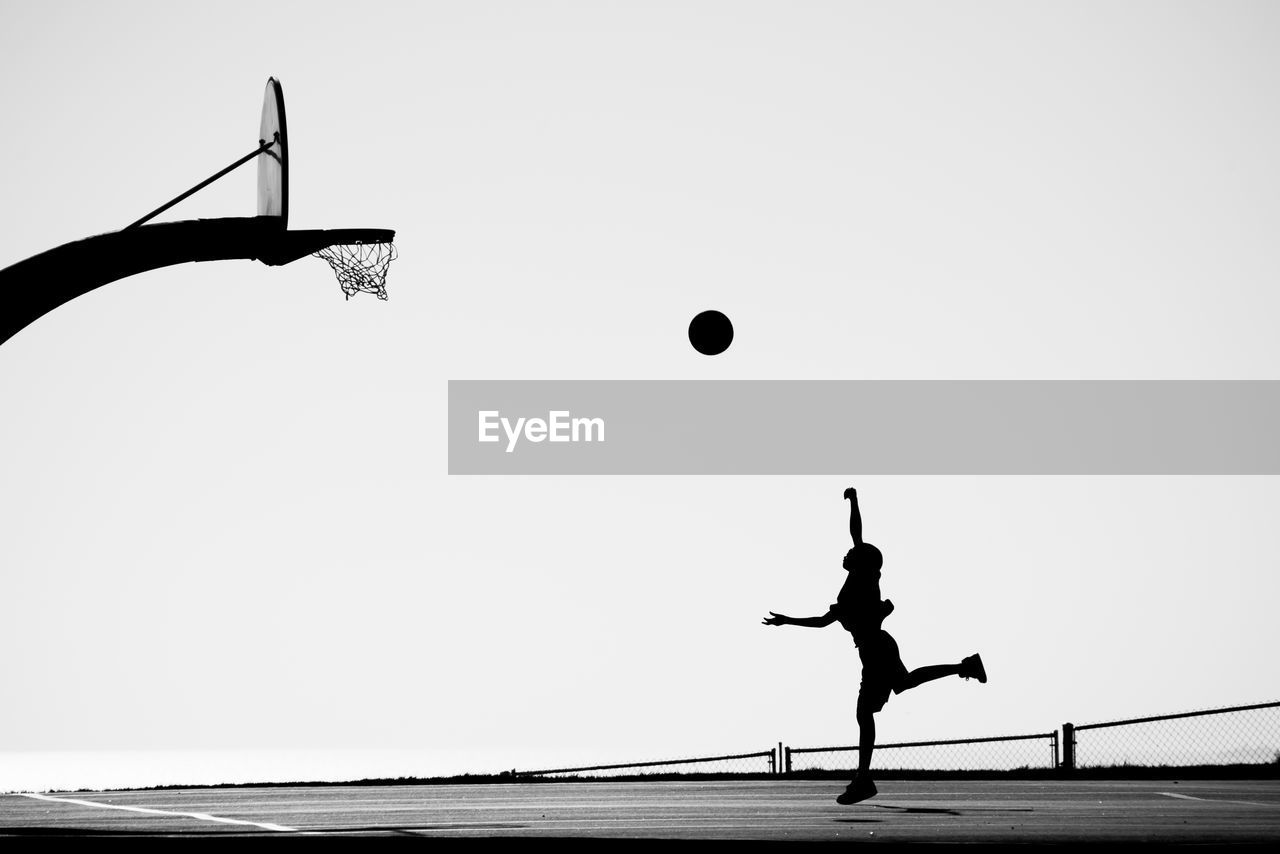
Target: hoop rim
x=291, y=245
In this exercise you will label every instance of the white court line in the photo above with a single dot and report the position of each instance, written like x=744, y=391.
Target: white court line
x=202, y=816
x=1214, y=800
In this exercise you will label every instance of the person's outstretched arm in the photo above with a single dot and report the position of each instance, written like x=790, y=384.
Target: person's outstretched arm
x=776, y=619
x=855, y=518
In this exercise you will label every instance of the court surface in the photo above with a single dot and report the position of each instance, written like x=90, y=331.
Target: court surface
x=906, y=811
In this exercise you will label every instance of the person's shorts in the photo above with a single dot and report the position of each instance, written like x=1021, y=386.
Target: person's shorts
x=882, y=671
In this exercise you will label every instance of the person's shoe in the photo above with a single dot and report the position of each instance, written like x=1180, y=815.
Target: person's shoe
x=858, y=790
x=971, y=668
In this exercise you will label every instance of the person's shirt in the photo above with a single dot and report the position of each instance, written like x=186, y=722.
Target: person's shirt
x=858, y=607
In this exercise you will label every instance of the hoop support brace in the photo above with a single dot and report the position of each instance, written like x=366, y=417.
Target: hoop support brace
x=262, y=148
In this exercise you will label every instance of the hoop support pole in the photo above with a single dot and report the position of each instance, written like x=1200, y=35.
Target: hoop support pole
x=262, y=147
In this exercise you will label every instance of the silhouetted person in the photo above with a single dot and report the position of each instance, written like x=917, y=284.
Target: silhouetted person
x=859, y=609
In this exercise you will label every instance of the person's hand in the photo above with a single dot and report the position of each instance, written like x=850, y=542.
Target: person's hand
x=775, y=619
x=850, y=494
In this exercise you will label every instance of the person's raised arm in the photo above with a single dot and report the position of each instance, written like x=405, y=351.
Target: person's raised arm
x=855, y=518
x=775, y=619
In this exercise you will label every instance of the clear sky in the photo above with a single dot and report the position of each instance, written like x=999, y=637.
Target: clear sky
x=227, y=523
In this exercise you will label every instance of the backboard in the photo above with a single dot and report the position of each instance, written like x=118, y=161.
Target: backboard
x=273, y=164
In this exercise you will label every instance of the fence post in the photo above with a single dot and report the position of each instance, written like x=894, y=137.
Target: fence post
x=787, y=764
x=1068, y=747
x=777, y=767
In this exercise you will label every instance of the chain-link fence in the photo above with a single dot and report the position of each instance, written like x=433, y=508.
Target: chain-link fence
x=998, y=753
x=1237, y=735
x=1245, y=737
x=764, y=763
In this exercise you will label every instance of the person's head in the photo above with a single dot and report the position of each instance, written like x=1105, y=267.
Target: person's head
x=864, y=557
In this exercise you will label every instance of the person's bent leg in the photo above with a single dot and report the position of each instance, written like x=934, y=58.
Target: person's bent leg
x=970, y=668
x=921, y=675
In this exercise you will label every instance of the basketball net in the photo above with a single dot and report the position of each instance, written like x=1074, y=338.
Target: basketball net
x=360, y=266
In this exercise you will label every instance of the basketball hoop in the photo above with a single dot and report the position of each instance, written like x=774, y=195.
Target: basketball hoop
x=359, y=256
x=360, y=266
